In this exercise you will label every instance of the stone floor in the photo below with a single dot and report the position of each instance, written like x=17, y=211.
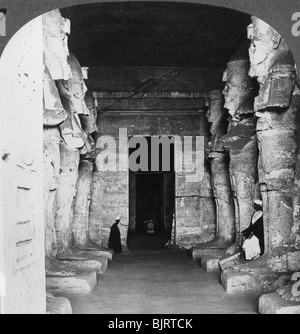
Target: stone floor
x=160, y=282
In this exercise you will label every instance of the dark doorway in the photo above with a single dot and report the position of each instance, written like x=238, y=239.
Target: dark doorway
x=151, y=204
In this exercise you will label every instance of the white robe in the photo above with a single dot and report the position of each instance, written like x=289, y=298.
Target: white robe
x=251, y=248
x=251, y=245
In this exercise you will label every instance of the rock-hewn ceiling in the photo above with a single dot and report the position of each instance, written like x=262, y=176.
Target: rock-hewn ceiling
x=159, y=34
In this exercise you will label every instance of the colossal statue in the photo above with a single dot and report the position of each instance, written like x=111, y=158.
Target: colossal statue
x=240, y=141
x=55, y=31
x=219, y=162
x=277, y=107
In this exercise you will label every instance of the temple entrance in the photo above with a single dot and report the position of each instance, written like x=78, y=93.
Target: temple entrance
x=151, y=203
x=57, y=197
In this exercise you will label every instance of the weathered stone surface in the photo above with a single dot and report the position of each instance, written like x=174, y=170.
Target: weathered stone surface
x=224, y=203
x=276, y=107
x=51, y=139
x=109, y=200
x=219, y=163
x=83, y=283
x=108, y=254
x=89, y=122
x=255, y=275
x=277, y=163
x=198, y=253
x=228, y=261
x=243, y=174
x=54, y=113
x=210, y=263
x=193, y=224
x=241, y=141
x=55, y=32
x=65, y=194
x=273, y=64
x=72, y=93
x=272, y=303
x=84, y=261
x=58, y=305
x=81, y=211
x=235, y=282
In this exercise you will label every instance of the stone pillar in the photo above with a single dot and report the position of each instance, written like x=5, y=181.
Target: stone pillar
x=225, y=228
x=72, y=93
x=51, y=139
x=80, y=228
x=55, y=50
x=276, y=107
x=219, y=162
x=82, y=206
x=65, y=195
x=241, y=141
x=75, y=142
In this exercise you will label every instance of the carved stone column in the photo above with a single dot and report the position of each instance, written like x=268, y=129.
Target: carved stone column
x=82, y=205
x=219, y=162
x=55, y=33
x=241, y=143
x=80, y=228
x=276, y=108
x=65, y=195
x=72, y=93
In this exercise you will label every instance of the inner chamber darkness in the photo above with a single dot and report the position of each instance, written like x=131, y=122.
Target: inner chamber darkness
x=152, y=202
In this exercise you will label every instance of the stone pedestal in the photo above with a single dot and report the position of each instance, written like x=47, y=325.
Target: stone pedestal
x=272, y=303
x=84, y=261
x=241, y=282
x=65, y=284
x=210, y=263
x=58, y=305
x=208, y=259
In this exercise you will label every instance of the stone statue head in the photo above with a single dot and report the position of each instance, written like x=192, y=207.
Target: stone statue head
x=239, y=88
x=272, y=63
x=215, y=104
x=56, y=30
x=77, y=87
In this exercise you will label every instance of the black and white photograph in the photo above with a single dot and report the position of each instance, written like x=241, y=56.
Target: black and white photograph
x=150, y=159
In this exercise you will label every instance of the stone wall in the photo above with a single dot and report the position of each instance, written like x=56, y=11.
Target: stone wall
x=195, y=208
x=22, y=261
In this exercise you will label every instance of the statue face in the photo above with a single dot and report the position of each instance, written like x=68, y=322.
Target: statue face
x=56, y=30
x=77, y=86
x=264, y=41
x=272, y=63
x=215, y=106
